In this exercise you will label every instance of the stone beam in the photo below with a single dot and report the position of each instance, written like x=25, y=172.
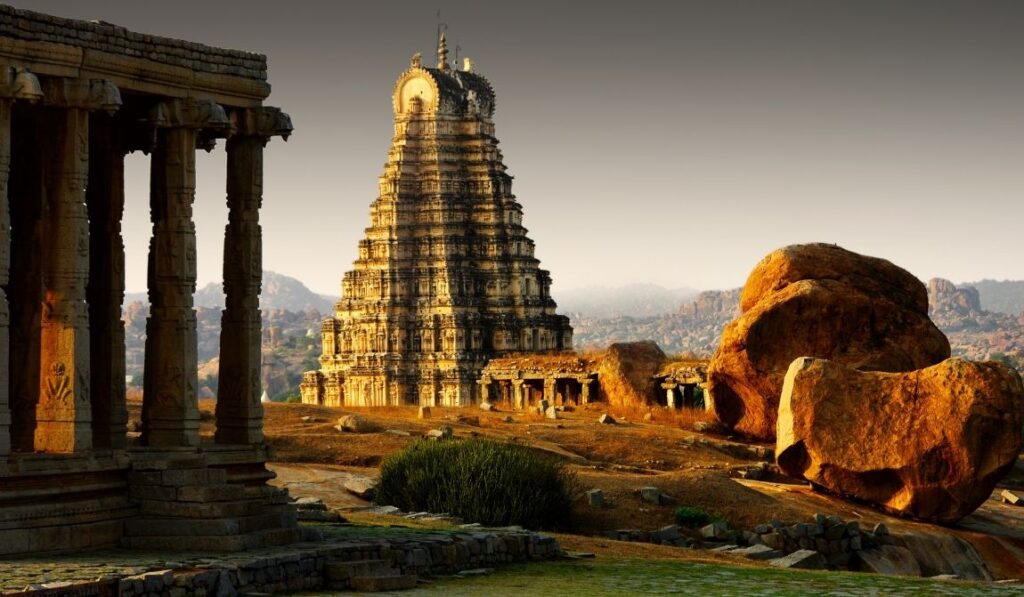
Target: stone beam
x=170, y=409
x=239, y=412
x=63, y=414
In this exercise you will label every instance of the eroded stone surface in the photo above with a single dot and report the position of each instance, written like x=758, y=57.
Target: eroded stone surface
x=930, y=443
x=821, y=301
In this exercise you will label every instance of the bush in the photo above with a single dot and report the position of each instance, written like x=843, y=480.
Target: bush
x=479, y=481
x=691, y=517
x=293, y=399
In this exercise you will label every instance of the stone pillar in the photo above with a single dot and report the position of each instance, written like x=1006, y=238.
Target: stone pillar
x=585, y=390
x=517, y=394
x=64, y=412
x=105, y=201
x=5, y=269
x=670, y=396
x=170, y=409
x=549, y=390
x=14, y=84
x=239, y=411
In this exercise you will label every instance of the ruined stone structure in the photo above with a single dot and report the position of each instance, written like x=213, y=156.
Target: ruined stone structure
x=522, y=382
x=684, y=383
x=75, y=98
x=446, y=277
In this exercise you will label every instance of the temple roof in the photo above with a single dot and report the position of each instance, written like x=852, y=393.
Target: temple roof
x=450, y=91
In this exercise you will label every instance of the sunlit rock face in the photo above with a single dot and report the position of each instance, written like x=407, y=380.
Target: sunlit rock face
x=446, y=277
x=822, y=301
x=931, y=443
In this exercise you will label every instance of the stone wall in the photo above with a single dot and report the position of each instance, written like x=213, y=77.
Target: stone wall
x=325, y=565
x=32, y=26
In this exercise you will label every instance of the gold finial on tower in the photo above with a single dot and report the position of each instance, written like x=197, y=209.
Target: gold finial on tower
x=442, y=53
x=467, y=65
x=415, y=62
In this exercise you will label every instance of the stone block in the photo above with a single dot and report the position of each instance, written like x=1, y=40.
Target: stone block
x=759, y=552
x=805, y=559
x=651, y=495
x=222, y=493
x=887, y=559
x=715, y=530
x=1012, y=498
x=595, y=498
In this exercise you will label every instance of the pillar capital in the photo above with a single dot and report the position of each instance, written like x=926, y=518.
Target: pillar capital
x=262, y=123
x=205, y=116
x=85, y=94
x=19, y=84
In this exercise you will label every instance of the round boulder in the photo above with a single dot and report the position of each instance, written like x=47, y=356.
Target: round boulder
x=821, y=301
x=930, y=444
x=626, y=373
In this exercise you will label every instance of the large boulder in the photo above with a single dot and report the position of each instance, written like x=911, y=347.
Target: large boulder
x=930, y=444
x=626, y=373
x=821, y=301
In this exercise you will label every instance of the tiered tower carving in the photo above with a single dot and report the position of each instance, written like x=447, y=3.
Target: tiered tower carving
x=446, y=276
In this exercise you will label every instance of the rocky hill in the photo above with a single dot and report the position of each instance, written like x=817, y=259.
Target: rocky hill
x=693, y=329
x=974, y=332
x=279, y=292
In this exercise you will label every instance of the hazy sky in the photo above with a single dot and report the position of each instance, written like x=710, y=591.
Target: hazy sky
x=669, y=142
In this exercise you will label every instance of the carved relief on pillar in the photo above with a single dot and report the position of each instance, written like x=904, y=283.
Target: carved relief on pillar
x=239, y=411
x=63, y=413
x=170, y=411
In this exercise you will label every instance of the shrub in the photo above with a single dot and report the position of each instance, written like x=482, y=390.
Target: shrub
x=692, y=517
x=293, y=399
x=479, y=481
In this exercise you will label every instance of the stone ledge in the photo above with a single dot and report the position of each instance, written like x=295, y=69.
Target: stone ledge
x=297, y=567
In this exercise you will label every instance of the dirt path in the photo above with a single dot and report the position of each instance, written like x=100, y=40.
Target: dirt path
x=320, y=481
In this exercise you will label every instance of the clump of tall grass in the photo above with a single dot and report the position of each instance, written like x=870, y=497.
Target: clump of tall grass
x=480, y=481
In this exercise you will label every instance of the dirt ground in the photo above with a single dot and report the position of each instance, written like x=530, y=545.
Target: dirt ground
x=312, y=458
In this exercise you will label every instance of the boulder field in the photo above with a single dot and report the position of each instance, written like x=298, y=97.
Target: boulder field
x=822, y=301
x=930, y=444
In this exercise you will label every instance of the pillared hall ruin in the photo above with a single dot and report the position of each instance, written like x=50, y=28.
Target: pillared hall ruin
x=446, y=278
x=75, y=98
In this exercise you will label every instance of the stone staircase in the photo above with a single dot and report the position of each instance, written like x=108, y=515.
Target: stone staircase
x=188, y=505
x=367, y=576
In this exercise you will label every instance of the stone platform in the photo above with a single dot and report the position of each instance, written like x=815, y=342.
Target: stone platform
x=346, y=555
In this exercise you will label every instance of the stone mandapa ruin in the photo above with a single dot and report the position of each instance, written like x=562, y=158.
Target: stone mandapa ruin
x=446, y=277
x=75, y=98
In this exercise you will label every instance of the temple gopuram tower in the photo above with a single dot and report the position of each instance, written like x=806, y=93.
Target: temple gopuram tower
x=446, y=276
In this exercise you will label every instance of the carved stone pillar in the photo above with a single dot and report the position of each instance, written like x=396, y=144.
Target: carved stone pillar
x=105, y=202
x=239, y=412
x=517, y=394
x=21, y=85
x=63, y=414
x=170, y=408
x=5, y=270
x=549, y=390
x=585, y=390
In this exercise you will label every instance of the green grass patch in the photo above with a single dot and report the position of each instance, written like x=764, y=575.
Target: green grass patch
x=692, y=517
x=480, y=481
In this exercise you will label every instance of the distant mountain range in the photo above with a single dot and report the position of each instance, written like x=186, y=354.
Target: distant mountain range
x=279, y=292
